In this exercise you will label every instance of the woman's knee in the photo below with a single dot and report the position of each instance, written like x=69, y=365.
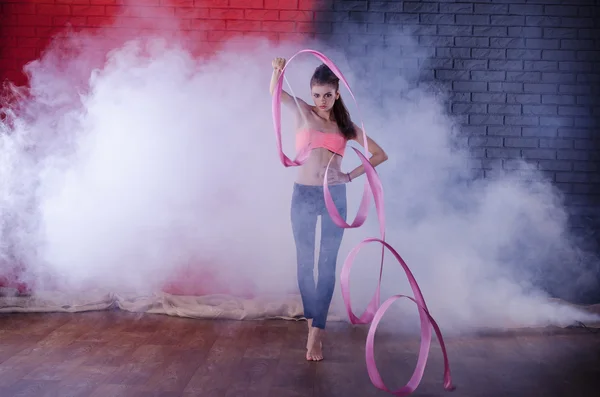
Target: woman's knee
x=327, y=270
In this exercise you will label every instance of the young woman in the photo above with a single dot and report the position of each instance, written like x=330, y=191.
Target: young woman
x=325, y=127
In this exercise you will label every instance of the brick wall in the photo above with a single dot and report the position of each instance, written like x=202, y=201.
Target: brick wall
x=26, y=26
x=524, y=74
x=524, y=77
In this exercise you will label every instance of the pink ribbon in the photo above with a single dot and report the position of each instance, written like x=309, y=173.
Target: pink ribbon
x=373, y=313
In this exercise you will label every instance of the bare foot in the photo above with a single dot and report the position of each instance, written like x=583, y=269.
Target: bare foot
x=314, y=350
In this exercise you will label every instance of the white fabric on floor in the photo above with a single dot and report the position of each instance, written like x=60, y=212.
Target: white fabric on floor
x=207, y=306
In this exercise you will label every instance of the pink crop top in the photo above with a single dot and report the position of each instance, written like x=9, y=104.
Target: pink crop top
x=314, y=139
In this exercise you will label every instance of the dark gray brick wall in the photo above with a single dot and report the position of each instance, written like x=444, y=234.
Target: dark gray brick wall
x=524, y=77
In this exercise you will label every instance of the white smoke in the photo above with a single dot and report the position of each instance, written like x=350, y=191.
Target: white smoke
x=158, y=164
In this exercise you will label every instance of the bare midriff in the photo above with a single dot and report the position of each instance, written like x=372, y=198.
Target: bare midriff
x=312, y=172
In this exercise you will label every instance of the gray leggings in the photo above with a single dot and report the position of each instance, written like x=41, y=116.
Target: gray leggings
x=307, y=204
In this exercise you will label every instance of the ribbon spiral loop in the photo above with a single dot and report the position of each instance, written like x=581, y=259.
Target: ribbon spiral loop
x=373, y=313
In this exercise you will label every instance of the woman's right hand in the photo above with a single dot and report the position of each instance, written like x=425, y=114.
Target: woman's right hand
x=278, y=64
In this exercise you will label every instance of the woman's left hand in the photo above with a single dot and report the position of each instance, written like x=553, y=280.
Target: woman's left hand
x=336, y=177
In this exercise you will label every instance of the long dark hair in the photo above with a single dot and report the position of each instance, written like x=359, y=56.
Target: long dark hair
x=324, y=76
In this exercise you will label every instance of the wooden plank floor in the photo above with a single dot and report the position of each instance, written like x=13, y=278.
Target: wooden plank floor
x=113, y=353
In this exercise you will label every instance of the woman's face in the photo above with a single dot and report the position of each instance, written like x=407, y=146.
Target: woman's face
x=324, y=96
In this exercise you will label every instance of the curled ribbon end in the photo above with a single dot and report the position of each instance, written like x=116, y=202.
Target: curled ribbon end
x=449, y=386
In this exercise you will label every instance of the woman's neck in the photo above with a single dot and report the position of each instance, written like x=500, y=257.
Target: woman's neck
x=326, y=115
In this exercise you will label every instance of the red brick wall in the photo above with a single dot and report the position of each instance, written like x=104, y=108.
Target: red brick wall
x=26, y=26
